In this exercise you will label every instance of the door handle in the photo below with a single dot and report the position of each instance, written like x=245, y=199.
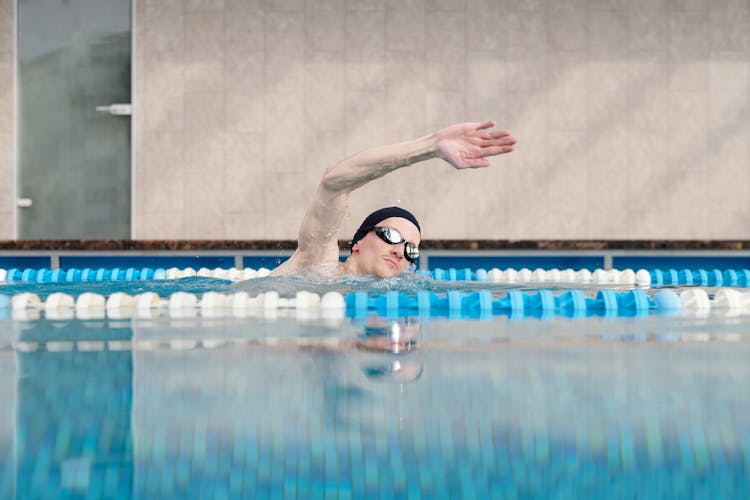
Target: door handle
x=24, y=202
x=116, y=109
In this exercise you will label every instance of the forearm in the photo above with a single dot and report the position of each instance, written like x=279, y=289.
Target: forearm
x=363, y=167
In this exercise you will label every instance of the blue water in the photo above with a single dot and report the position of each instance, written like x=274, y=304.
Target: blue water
x=286, y=406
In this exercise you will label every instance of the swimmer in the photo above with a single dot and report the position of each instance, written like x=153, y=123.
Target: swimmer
x=387, y=241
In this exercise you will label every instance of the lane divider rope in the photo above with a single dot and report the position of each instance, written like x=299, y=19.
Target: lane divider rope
x=641, y=278
x=571, y=303
x=75, y=275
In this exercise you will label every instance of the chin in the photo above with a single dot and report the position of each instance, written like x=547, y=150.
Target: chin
x=388, y=272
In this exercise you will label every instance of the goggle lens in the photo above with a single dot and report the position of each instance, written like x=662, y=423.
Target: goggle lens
x=393, y=237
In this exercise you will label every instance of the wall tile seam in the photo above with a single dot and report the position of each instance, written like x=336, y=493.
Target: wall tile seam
x=346, y=55
x=305, y=95
x=672, y=16
x=671, y=67
x=13, y=154
x=506, y=50
x=140, y=213
x=204, y=8
x=389, y=51
x=465, y=188
x=588, y=230
x=712, y=21
x=182, y=74
x=264, y=174
x=543, y=130
x=444, y=9
x=680, y=7
x=546, y=94
x=355, y=7
x=222, y=120
x=7, y=96
x=709, y=33
x=586, y=136
x=274, y=7
x=136, y=161
x=629, y=102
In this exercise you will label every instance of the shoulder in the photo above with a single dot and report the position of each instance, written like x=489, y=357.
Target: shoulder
x=303, y=260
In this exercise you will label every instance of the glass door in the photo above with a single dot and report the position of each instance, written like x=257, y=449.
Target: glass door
x=74, y=130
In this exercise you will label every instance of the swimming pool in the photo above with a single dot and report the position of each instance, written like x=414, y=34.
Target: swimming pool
x=301, y=402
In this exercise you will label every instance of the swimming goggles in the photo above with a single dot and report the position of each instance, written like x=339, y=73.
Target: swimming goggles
x=393, y=237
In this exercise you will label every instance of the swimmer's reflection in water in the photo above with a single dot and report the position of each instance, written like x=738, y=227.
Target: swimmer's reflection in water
x=397, y=339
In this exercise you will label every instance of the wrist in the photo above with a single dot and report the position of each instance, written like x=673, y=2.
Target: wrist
x=426, y=148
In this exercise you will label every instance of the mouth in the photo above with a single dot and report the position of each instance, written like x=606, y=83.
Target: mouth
x=392, y=262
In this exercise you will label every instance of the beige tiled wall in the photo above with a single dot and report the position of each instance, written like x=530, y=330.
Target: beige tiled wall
x=633, y=116
x=6, y=119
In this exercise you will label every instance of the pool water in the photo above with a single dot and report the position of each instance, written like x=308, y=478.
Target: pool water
x=289, y=406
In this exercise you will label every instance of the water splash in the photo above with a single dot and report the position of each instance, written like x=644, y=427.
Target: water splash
x=163, y=288
x=318, y=281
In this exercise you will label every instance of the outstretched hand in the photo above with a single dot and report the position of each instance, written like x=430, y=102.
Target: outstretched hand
x=467, y=145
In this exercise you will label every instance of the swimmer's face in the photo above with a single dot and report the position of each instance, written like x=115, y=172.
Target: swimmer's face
x=375, y=256
x=398, y=337
x=394, y=336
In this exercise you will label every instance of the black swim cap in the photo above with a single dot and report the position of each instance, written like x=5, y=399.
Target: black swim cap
x=380, y=215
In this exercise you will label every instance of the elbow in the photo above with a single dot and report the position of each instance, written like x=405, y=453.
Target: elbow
x=333, y=182
x=328, y=181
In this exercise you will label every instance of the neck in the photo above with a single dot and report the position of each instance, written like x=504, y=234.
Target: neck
x=349, y=266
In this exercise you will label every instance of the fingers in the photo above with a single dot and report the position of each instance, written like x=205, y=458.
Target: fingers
x=495, y=134
x=496, y=142
x=485, y=125
x=478, y=159
x=495, y=150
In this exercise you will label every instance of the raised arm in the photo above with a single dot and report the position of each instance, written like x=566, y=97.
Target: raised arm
x=465, y=145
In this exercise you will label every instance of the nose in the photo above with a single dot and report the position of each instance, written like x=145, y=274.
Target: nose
x=398, y=250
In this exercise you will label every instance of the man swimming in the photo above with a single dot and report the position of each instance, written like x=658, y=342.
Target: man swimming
x=387, y=241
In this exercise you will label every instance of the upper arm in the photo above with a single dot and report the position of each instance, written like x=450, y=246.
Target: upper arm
x=322, y=220
x=317, y=241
